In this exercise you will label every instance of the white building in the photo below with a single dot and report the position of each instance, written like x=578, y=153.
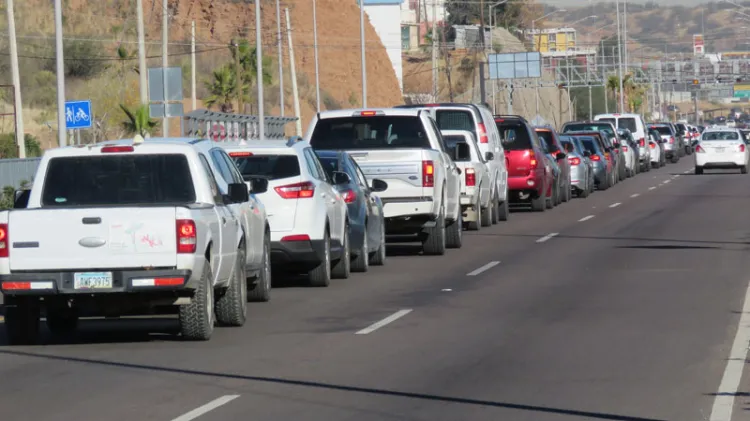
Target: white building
x=409, y=11
x=382, y=15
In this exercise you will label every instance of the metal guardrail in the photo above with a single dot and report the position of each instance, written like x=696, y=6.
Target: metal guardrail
x=232, y=127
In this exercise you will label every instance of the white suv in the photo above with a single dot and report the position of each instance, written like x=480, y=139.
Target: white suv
x=637, y=127
x=307, y=216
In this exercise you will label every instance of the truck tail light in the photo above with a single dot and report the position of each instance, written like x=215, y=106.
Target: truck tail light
x=482, y=131
x=187, y=238
x=471, y=177
x=428, y=174
x=304, y=190
x=4, y=242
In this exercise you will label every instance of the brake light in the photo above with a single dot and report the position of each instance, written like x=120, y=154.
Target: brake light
x=596, y=158
x=297, y=237
x=652, y=145
x=742, y=148
x=349, y=196
x=471, y=177
x=304, y=190
x=671, y=140
x=699, y=149
x=624, y=148
x=368, y=113
x=428, y=174
x=532, y=160
x=575, y=161
x=641, y=142
x=114, y=149
x=240, y=154
x=4, y=244
x=482, y=130
x=187, y=238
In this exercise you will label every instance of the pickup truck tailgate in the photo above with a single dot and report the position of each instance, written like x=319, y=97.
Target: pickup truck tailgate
x=400, y=168
x=92, y=238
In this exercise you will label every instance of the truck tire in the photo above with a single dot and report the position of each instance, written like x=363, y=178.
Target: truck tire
x=22, y=316
x=197, y=318
x=503, y=210
x=495, y=206
x=321, y=275
x=434, y=244
x=454, y=232
x=476, y=224
x=362, y=262
x=343, y=267
x=261, y=291
x=378, y=258
x=62, y=322
x=231, y=307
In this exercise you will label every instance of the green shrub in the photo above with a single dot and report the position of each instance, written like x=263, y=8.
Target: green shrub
x=329, y=101
x=8, y=148
x=83, y=59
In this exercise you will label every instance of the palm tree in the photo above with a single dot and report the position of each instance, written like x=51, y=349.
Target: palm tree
x=613, y=84
x=139, y=121
x=222, y=88
x=248, y=63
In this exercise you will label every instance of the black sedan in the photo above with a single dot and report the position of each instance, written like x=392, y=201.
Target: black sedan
x=367, y=229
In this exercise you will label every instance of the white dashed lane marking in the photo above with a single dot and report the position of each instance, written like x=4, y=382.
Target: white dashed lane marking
x=484, y=268
x=547, y=237
x=614, y=205
x=635, y=195
x=201, y=410
x=586, y=218
x=390, y=319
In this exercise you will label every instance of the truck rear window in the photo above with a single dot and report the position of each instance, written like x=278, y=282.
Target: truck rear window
x=455, y=120
x=118, y=180
x=272, y=167
x=375, y=132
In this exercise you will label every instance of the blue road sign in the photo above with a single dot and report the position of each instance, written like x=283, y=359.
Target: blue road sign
x=78, y=115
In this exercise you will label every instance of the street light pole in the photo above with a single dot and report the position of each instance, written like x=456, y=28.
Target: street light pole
x=619, y=55
x=362, y=47
x=60, y=69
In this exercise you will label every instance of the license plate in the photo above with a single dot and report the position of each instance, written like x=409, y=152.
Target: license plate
x=719, y=150
x=92, y=280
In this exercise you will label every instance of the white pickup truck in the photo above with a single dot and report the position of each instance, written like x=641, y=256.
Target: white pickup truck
x=404, y=148
x=130, y=228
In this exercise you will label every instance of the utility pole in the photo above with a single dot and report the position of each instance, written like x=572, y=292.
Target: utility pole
x=142, y=70
x=604, y=80
x=362, y=47
x=60, y=70
x=570, y=80
x=481, y=24
x=238, y=75
x=434, y=53
x=17, y=103
x=619, y=54
x=164, y=62
x=295, y=92
x=625, y=35
x=315, y=48
x=259, y=72
x=281, y=56
x=192, y=67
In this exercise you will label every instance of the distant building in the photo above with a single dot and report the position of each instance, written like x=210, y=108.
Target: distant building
x=416, y=21
x=551, y=40
x=381, y=14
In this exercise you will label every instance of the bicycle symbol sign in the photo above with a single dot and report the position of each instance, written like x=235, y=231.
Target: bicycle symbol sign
x=78, y=115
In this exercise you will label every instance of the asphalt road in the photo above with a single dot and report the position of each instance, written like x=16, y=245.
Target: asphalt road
x=622, y=306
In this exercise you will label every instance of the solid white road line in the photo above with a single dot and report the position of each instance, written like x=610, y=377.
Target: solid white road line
x=635, y=195
x=547, y=237
x=730, y=381
x=667, y=181
x=687, y=172
x=390, y=319
x=586, y=218
x=484, y=268
x=614, y=205
x=197, y=412
x=652, y=188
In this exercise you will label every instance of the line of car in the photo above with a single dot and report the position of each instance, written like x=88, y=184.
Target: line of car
x=199, y=228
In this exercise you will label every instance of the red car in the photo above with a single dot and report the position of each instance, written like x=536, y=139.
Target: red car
x=530, y=175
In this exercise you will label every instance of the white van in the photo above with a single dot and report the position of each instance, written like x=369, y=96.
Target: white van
x=636, y=125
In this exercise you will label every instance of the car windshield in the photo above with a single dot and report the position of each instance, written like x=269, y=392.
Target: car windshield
x=450, y=144
x=589, y=127
x=375, y=132
x=721, y=136
x=271, y=167
x=455, y=120
x=118, y=180
x=515, y=136
x=546, y=135
x=663, y=130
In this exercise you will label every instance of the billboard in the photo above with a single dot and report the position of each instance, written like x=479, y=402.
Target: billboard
x=515, y=65
x=698, y=45
x=741, y=91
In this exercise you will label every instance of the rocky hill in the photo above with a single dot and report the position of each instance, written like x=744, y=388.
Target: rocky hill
x=101, y=55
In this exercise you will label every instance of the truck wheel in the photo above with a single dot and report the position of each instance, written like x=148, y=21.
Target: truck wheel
x=503, y=211
x=321, y=275
x=22, y=320
x=261, y=292
x=362, y=262
x=486, y=216
x=378, y=258
x=197, y=318
x=495, y=206
x=435, y=242
x=455, y=232
x=231, y=307
x=743, y=169
x=62, y=321
x=476, y=224
x=343, y=267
